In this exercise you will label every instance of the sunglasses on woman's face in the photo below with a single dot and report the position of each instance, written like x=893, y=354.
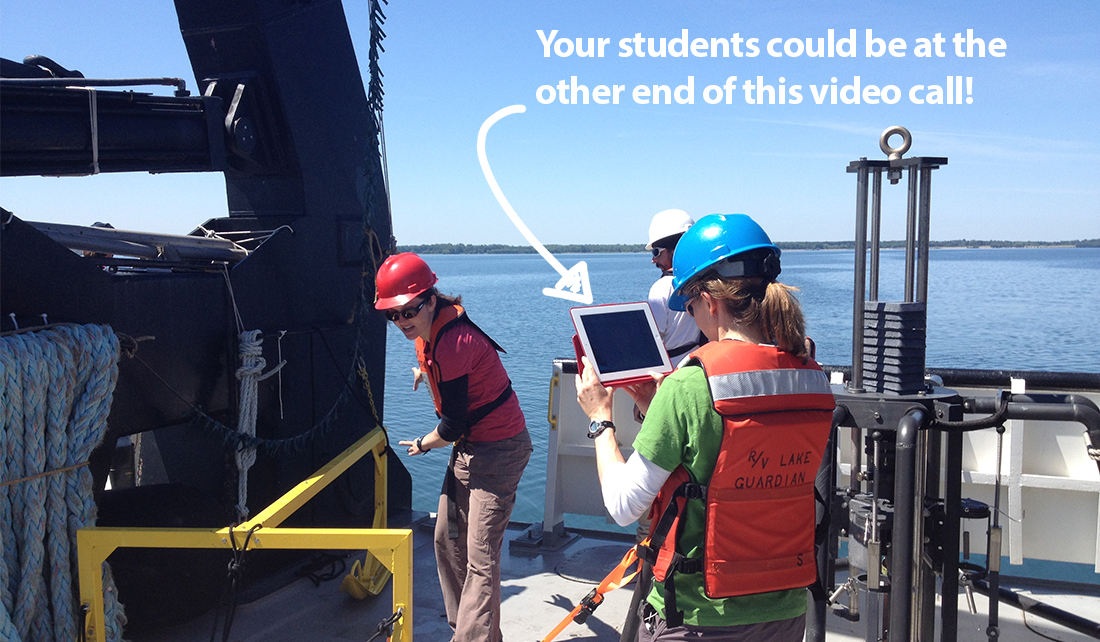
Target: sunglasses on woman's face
x=689, y=305
x=407, y=313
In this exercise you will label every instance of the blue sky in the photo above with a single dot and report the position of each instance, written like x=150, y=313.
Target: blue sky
x=1024, y=155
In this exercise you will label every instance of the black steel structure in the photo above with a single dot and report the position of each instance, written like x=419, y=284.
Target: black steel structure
x=901, y=510
x=283, y=112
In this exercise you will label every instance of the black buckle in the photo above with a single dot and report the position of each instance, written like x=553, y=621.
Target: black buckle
x=689, y=565
x=588, y=605
x=694, y=491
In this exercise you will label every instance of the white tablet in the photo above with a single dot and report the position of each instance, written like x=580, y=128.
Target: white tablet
x=621, y=342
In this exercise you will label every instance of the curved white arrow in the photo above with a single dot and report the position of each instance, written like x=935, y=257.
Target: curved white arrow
x=573, y=284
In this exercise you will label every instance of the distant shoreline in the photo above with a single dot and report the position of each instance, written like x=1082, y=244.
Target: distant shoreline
x=624, y=248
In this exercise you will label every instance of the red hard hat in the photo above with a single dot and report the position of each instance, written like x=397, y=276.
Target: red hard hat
x=401, y=278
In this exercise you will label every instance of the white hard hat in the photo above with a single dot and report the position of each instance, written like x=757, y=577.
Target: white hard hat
x=668, y=223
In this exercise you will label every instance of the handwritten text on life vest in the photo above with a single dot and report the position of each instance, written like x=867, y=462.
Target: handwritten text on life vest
x=787, y=478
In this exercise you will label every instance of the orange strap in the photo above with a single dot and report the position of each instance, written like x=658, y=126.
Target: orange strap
x=617, y=578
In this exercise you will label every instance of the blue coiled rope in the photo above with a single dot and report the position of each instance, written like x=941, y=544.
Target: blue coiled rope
x=56, y=387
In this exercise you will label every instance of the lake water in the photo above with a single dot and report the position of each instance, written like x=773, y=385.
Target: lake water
x=1017, y=309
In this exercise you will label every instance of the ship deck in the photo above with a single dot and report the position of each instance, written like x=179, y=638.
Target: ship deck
x=539, y=589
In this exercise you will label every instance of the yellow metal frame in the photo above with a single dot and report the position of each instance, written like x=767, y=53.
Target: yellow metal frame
x=392, y=548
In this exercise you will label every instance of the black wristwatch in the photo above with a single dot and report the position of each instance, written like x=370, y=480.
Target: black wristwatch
x=596, y=428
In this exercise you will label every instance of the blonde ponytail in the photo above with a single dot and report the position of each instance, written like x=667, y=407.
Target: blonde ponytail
x=768, y=306
x=782, y=317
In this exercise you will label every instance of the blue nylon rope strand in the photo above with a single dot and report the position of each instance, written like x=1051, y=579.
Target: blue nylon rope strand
x=10, y=402
x=56, y=387
x=58, y=360
x=13, y=456
x=75, y=480
x=30, y=620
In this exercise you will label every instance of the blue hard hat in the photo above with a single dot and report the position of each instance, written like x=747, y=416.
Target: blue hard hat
x=716, y=242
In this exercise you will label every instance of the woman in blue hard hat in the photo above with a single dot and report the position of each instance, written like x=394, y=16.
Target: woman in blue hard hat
x=480, y=414
x=728, y=451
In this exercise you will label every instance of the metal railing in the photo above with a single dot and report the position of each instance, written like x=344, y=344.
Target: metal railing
x=389, y=550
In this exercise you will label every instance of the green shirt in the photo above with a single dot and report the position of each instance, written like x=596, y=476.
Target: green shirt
x=682, y=428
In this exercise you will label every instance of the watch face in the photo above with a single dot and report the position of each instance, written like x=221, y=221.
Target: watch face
x=597, y=427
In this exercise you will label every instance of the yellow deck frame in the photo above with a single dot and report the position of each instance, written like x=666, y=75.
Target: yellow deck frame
x=392, y=547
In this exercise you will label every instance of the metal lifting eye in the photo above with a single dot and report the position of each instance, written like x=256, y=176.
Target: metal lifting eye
x=895, y=153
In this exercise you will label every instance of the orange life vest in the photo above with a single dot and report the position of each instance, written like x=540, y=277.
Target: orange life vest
x=449, y=316
x=759, y=533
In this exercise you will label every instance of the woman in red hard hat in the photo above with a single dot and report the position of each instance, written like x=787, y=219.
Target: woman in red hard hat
x=480, y=415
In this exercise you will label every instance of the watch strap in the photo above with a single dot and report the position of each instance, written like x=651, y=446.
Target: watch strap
x=596, y=428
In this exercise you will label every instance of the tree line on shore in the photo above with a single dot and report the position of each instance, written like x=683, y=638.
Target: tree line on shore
x=621, y=248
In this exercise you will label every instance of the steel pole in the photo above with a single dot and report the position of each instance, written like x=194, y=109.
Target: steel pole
x=856, y=384
x=924, y=225
x=876, y=226
x=905, y=514
x=952, y=497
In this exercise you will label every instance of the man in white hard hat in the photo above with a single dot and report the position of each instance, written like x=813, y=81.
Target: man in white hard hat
x=678, y=330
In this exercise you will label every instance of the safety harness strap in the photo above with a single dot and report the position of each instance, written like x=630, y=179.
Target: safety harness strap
x=821, y=534
x=650, y=551
x=477, y=414
x=449, y=481
x=617, y=578
x=686, y=490
x=449, y=484
x=687, y=347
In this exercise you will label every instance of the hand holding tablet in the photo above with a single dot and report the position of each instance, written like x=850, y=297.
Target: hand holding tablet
x=621, y=341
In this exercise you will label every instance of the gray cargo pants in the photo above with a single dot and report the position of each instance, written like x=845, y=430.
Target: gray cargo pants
x=487, y=474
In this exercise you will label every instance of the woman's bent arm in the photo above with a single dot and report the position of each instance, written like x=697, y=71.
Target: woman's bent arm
x=629, y=488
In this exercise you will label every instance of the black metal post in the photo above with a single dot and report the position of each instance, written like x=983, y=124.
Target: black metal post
x=952, y=497
x=923, y=230
x=901, y=550
x=856, y=384
x=876, y=233
x=910, y=233
x=928, y=490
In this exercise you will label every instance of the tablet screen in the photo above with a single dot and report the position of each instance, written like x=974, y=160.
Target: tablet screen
x=622, y=341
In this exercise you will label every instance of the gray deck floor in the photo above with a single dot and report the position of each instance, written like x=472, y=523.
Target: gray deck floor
x=538, y=591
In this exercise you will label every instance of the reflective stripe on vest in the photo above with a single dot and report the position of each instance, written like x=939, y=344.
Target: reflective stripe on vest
x=773, y=383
